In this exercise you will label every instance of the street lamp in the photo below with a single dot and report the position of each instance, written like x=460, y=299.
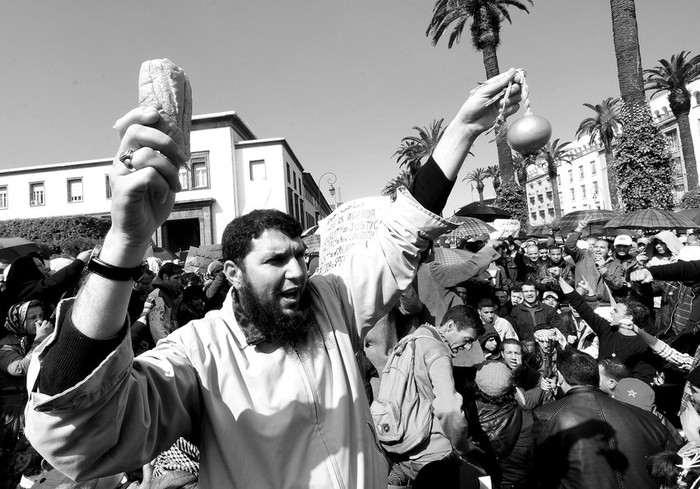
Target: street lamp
x=330, y=180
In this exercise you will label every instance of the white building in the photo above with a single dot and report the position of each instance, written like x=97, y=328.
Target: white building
x=232, y=173
x=583, y=183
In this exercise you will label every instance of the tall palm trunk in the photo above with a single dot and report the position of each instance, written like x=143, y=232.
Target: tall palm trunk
x=627, y=53
x=691, y=167
x=557, y=202
x=505, y=160
x=612, y=178
x=480, y=189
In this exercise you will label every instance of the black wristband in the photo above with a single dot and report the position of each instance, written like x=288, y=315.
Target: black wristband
x=95, y=265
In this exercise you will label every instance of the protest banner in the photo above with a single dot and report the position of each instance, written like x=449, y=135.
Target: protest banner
x=199, y=257
x=350, y=225
x=504, y=228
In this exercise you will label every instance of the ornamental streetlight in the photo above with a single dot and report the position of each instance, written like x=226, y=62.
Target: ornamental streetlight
x=332, y=178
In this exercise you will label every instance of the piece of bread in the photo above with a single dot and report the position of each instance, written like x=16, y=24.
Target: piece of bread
x=166, y=87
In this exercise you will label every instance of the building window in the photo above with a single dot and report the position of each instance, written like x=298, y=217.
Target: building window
x=571, y=176
x=75, y=190
x=580, y=172
x=3, y=197
x=573, y=193
x=583, y=191
x=595, y=188
x=549, y=195
x=36, y=194
x=550, y=211
x=540, y=197
x=108, y=188
x=199, y=176
x=532, y=200
x=290, y=201
x=289, y=174
x=257, y=170
x=593, y=169
x=541, y=214
x=533, y=215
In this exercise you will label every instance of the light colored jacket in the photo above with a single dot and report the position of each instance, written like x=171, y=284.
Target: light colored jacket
x=262, y=416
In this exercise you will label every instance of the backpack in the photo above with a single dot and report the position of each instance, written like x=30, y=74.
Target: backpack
x=403, y=410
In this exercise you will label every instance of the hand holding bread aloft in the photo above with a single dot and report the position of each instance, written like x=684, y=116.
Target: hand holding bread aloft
x=166, y=87
x=157, y=136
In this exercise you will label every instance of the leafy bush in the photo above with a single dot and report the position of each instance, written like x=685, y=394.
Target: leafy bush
x=511, y=198
x=642, y=163
x=691, y=199
x=67, y=235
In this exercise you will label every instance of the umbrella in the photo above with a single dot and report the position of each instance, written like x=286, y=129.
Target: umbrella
x=568, y=222
x=692, y=214
x=651, y=219
x=310, y=231
x=12, y=247
x=541, y=231
x=484, y=212
x=161, y=254
x=469, y=227
x=450, y=256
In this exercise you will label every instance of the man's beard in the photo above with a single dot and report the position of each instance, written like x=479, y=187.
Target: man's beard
x=282, y=329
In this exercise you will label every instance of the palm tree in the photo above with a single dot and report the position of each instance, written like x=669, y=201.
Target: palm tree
x=640, y=157
x=553, y=155
x=494, y=174
x=674, y=76
x=478, y=176
x=403, y=179
x=603, y=127
x=414, y=149
x=486, y=17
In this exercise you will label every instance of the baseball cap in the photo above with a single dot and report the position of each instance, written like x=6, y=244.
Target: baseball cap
x=623, y=239
x=635, y=392
x=550, y=293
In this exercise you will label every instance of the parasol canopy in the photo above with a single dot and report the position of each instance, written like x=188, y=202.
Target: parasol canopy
x=692, y=214
x=568, y=222
x=485, y=213
x=13, y=247
x=651, y=219
x=469, y=227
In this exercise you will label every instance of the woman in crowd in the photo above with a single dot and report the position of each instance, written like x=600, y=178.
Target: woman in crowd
x=28, y=328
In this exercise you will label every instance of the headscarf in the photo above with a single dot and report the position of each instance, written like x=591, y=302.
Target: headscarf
x=15, y=323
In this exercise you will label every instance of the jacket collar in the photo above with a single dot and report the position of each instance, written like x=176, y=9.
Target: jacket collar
x=581, y=388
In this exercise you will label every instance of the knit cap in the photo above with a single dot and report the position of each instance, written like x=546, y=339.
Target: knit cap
x=494, y=379
x=635, y=392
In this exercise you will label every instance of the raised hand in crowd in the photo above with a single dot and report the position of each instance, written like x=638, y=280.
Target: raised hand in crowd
x=642, y=275
x=582, y=224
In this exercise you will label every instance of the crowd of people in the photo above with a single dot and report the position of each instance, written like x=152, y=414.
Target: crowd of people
x=535, y=365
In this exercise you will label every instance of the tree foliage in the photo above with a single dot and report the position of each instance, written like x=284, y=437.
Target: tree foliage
x=511, y=198
x=691, y=199
x=642, y=163
x=403, y=179
x=67, y=235
x=414, y=149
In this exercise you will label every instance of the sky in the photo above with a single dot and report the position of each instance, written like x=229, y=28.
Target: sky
x=342, y=81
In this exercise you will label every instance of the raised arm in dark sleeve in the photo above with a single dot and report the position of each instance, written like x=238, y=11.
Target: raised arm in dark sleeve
x=431, y=187
x=680, y=271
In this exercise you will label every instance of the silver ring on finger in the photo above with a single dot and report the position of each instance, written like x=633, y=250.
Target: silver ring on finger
x=125, y=158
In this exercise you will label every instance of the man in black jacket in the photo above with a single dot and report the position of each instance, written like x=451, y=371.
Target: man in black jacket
x=587, y=439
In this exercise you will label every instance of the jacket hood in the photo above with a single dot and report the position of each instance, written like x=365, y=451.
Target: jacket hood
x=669, y=239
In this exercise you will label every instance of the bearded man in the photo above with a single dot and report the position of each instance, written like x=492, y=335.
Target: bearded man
x=268, y=387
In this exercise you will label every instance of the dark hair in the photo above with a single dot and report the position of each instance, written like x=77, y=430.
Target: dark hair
x=169, y=269
x=499, y=290
x=578, y=368
x=530, y=283
x=614, y=368
x=464, y=317
x=193, y=292
x=554, y=247
x=641, y=315
x=486, y=302
x=663, y=468
x=516, y=288
x=237, y=240
x=512, y=341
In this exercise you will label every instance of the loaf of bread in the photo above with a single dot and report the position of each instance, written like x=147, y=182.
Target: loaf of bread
x=166, y=87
